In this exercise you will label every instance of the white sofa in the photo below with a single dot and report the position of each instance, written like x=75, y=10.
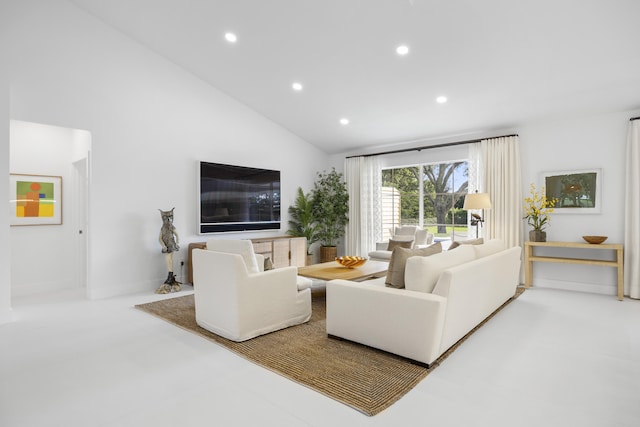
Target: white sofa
x=418, y=238
x=236, y=299
x=446, y=296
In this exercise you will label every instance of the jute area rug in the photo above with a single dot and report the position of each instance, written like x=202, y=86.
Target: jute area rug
x=364, y=378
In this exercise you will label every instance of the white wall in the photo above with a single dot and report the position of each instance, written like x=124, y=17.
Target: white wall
x=575, y=143
x=567, y=143
x=43, y=257
x=150, y=123
x=5, y=272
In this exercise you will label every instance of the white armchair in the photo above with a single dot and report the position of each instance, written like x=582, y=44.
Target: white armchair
x=418, y=238
x=238, y=301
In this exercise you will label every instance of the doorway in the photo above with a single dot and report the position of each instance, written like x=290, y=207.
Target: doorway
x=61, y=251
x=80, y=222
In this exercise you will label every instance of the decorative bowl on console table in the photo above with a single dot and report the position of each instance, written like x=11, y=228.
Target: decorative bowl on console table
x=351, y=261
x=595, y=240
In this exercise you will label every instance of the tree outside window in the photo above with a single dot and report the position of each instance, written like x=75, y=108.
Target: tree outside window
x=435, y=205
x=401, y=198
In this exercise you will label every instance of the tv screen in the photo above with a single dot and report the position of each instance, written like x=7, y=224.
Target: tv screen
x=238, y=198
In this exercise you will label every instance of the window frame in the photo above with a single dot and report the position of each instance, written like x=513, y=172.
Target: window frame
x=421, y=221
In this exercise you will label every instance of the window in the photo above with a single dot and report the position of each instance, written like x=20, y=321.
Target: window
x=428, y=195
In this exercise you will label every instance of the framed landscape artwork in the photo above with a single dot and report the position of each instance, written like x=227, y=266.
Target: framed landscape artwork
x=35, y=200
x=577, y=191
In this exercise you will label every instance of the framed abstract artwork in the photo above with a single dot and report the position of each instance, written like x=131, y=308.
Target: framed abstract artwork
x=576, y=191
x=35, y=200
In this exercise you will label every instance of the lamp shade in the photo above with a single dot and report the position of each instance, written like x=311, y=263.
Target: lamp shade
x=477, y=201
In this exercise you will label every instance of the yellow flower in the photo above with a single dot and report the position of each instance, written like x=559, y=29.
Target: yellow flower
x=537, y=208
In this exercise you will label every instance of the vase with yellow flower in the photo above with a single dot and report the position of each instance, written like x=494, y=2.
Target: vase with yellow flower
x=537, y=208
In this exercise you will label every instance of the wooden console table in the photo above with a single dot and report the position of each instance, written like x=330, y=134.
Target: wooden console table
x=283, y=251
x=530, y=258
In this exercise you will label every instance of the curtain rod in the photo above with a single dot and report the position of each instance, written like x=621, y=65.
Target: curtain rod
x=634, y=118
x=426, y=147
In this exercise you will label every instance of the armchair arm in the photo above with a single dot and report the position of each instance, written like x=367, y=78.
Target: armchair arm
x=382, y=246
x=260, y=260
x=272, y=295
x=400, y=321
x=239, y=305
x=275, y=284
x=430, y=237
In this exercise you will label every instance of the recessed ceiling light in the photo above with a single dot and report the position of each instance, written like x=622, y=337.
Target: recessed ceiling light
x=344, y=121
x=230, y=37
x=297, y=86
x=441, y=99
x=402, y=49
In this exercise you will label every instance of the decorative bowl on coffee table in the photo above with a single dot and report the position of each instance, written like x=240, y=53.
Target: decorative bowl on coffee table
x=351, y=261
x=595, y=240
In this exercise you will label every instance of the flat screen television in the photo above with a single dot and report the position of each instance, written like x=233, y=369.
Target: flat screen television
x=238, y=198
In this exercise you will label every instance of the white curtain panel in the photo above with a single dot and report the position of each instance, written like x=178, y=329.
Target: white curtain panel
x=364, y=183
x=632, y=213
x=500, y=165
x=475, y=174
x=352, y=178
x=475, y=183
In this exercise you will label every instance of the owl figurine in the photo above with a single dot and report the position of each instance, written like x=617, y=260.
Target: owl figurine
x=169, y=240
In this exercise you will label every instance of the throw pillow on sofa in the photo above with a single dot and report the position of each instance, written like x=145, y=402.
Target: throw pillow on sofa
x=457, y=243
x=403, y=243
x=422, y=274
x=399, y=257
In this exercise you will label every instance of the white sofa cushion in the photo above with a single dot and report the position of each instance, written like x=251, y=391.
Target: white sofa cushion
x=400, y=241
x=405, y=230
x=240, y=247
x=380, y=255
x=421, y=237
x=457, y=243
x=491, y=247
x=303, y=283
x=422, y=273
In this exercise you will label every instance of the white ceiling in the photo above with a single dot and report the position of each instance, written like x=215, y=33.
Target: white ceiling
x=501, y=63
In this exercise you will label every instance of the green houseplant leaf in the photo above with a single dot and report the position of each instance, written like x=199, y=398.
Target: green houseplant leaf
x=301, y=219
x=330, y=206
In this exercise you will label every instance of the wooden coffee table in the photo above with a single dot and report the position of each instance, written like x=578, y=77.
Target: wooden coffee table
x=332, y=270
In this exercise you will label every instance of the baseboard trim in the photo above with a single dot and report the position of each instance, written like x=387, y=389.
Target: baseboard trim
x=576, y=286
x=116, y=290
x=6, y=315
x=39, y=288
x=126, y=288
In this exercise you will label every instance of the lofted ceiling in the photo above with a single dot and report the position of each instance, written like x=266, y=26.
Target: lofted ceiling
x=500, y=63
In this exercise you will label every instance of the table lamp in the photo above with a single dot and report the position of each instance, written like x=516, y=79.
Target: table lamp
x=477, y=201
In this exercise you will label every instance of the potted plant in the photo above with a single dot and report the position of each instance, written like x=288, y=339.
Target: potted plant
x=330, y=207
x=302, y=222
x=536, y=211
